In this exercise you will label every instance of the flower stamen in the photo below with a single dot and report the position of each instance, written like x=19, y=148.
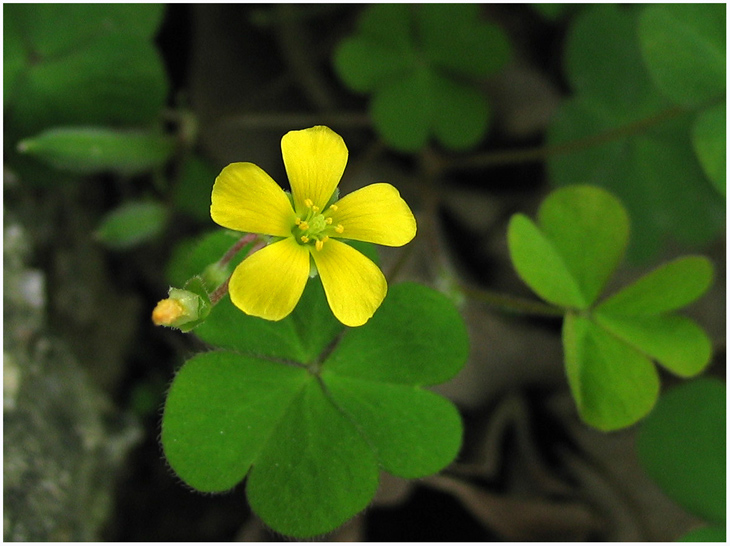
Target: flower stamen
x=339, y=228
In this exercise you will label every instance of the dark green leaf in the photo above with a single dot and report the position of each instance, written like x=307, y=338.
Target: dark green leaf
x=221, y=410
x=315, y=472
x=613, y=384
x=119, y=81
x=15, y=60
x=707, y=533
x=708, y=138
x=413, y=432
x=425, y=351
x=55, y=29
x=684, y=49
x=363, y=64
x=89, y=150
x=454, y=39
x=603, y=61
x=194, y=187
x=682, y=447
x=402, y=110
x=462, y=116
x=132, y=224
x=388, y=24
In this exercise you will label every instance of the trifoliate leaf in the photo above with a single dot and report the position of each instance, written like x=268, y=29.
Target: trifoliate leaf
x=363, y=63
x=708, y=139
x=684, y=49
x=131, y=224
x=682, y=447
x=464, y=115
x=613, y=384
x=89, y=150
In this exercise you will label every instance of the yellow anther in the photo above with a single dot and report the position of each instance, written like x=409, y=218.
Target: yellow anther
x=304, y=226
x=298, y=221
x=334, y=208
x=304, y=239
x=309, y=204
x=339, y=228
x=318, y=245
x=315, y=208
x=328, y=221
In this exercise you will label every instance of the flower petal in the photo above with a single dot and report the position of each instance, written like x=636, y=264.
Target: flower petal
x=315, y=159
x=245, y=198
x=376, y=214
x=269, y=283
x=355, y=286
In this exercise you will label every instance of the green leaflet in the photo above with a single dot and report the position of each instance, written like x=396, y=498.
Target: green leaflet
x=85, y=150
x=132, y=223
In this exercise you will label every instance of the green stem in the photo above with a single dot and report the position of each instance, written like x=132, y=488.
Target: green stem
x=512, y=304
x=540, y=153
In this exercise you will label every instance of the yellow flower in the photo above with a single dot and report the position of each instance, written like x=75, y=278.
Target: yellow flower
x=306, y=226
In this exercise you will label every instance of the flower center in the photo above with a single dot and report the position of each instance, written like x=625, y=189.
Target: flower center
x=315, y=227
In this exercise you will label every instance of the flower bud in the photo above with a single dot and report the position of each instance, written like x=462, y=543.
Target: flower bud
x=183, y=310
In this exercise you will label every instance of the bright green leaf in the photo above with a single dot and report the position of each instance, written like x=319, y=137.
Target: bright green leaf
x=613, y=384
x=682, y=447
x=706, y=533
x=430, y=347
x=540, y=265
x=220, y=412
x=89, y=150
x=684, y=49
x=666, y=288
x=132, y=224
x=676, y=342
x=413, y=432
x=708, y=138
x=315, y=472
x=589, y=228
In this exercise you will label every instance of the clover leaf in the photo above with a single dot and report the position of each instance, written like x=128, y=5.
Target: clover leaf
x=567, y=258
x=653, y=169
x=420, y=65
x=681, y=445
x=312, y=411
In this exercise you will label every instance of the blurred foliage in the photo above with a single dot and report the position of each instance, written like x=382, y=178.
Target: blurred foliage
x=682, y=446
x=422, y=79
x=652, y=167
